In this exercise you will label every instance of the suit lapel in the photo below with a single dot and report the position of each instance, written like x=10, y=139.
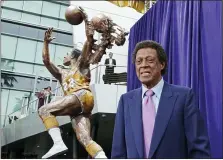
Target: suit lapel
x=135, y=109
x=165, y=108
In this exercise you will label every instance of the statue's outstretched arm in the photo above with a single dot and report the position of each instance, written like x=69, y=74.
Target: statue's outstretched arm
x=89, y=43
x=56, y=72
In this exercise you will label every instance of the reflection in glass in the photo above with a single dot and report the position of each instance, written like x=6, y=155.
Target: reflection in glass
x=7, y=64
x=22, y=83
x=27, y=83
x=15, y=103
x=4, y=100
x=8, y=80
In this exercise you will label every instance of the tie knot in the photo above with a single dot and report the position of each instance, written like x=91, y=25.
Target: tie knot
x=149, y=93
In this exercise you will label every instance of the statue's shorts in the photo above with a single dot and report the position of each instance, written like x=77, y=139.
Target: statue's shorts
x=86, y=99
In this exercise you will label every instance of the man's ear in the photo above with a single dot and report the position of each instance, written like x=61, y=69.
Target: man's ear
x=162, y=65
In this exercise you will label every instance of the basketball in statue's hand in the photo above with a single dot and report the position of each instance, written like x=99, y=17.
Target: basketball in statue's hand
x=73, y=15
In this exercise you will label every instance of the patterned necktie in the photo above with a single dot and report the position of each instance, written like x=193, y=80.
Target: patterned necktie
x=148, y=116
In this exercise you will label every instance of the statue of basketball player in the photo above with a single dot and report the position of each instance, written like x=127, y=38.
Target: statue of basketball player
x=78, y=100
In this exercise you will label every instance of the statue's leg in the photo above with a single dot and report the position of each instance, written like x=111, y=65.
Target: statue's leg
x=67, y=105
x=81, y=126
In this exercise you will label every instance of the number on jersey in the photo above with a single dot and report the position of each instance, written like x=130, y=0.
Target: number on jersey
x=70, y=84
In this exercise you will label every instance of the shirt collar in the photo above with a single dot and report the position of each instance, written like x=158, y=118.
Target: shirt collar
x=157, y=89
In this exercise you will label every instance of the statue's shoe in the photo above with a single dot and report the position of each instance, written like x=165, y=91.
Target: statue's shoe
x=57, y=149
x=101, y=155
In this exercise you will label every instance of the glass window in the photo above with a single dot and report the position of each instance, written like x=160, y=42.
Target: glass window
x=41, y=70
x=7, y=64
x=13, y=4
x=39, y=49
x=8, y=80
x=4, y=101
x=64, y=39
x=49, y=22
x=51, y=9
x=61, y=52
x=42, y=33
x=15, y=101
x=28, y=32
x=10, y=28
x=29, y=18
x=23, y=68
x=67, y=2
x=39, y=52
x=18, y=82
x=62, y=11
x=54, y=85
x=65, y=26
x=33, y=6
x=8, y=45
x=9, y=14
x=26, y=50
x=42, y=83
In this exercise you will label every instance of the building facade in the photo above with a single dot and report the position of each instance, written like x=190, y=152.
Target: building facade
x=22, y=31
x=23, y=74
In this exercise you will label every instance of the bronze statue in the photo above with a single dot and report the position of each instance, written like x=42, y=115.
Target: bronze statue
x=78, y=100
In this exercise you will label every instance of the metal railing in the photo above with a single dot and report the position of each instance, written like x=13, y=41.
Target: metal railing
x=102, y=76
x=109, y=74
x=29, y=107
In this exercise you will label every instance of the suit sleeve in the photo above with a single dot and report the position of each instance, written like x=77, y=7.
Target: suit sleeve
x=114, y=62
x=106, y=62
x=118, y=144
x=196, y=133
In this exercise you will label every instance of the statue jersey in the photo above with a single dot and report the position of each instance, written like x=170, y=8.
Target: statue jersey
x=73, y=81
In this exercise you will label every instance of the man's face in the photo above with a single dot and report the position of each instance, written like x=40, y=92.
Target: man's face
x=110, y=55
x=67, y=59
x=148, y=66
x=48, y=89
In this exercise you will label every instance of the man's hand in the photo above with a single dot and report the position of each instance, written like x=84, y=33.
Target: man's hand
x=89, y=29
x=84, y=14
x=120, y=40
x=48, y=35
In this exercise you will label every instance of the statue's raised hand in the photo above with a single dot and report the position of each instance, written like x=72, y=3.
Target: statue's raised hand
x=48, y=35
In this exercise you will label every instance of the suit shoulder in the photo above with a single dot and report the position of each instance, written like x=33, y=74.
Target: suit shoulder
x=130, y=93
x=180, y=89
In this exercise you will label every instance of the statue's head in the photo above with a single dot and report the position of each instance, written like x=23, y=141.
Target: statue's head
x=100, y=23
x=71, y=56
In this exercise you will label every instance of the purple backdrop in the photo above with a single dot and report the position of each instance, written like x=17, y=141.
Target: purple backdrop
x=191, y=33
